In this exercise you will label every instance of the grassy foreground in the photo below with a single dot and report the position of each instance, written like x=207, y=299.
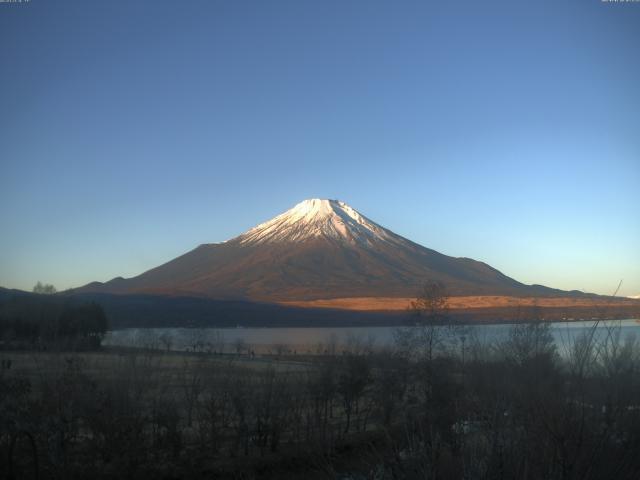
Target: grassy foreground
x=440, y=405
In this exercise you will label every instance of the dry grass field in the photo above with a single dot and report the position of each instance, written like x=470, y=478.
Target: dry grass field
x=465, y=303
x=421, y=412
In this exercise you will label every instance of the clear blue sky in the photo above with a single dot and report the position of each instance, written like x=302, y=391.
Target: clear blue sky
x=505, y=131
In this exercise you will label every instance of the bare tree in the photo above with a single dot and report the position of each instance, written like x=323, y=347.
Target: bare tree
x=352, y=382
x=282, y=349
x=166, y=339
x=431, y=312
x=217, y=341
x=332, y=344
x=360, y=344
x=195, y=340
x=192, y=386
x=528, y=341
x=239, y=345
x=432, y=304
x=147, y=339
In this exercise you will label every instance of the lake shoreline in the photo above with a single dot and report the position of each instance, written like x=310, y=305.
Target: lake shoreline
x=457, y=319
x=319, y=339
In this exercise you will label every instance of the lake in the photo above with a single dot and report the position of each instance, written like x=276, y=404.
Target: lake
x=318, y=340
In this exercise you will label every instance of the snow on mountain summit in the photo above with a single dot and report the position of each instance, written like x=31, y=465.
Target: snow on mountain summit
x=319, y=249
x=317, y=218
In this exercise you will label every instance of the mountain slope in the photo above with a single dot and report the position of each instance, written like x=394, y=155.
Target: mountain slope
x=318, y=249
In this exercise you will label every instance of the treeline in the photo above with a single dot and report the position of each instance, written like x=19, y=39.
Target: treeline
x=441, y=404
x=38, y=321
x=156, y=311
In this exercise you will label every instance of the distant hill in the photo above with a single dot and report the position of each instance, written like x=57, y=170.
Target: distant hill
x=7, y=293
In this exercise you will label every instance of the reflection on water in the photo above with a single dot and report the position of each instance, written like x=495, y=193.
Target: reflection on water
x=318, y=340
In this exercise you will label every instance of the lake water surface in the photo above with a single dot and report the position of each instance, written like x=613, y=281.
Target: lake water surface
x=317, y=340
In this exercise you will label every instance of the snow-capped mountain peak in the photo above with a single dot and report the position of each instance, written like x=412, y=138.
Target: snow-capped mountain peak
x=317, y=218
x=319, y=249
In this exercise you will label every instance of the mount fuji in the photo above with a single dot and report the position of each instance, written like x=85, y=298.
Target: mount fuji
x=319, y=249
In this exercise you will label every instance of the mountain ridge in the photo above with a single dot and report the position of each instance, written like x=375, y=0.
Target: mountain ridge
x=318, y=249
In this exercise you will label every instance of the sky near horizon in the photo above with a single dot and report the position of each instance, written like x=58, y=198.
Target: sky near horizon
x=504, y=131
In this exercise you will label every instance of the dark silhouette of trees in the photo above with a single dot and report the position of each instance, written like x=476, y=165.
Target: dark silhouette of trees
x=354, y=377
x=87, y=322
x=519, y=407
x=44, y=289
x=156, y=414
x=432, y=304
x=29, y=320
x=430, y=311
